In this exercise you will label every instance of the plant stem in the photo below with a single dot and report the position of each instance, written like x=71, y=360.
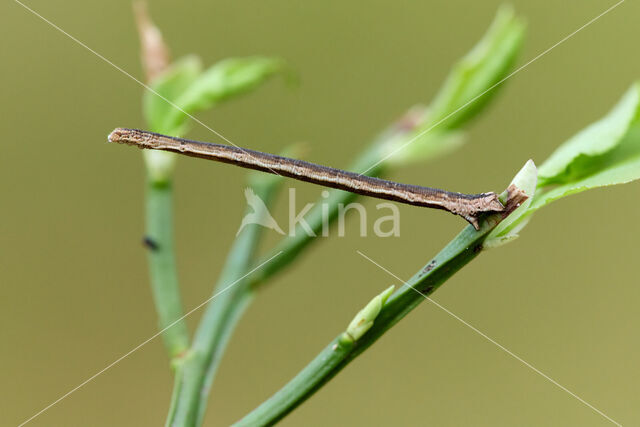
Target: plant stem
x=224, y=312
x=197, y=369
x=312, y=377
x=162, y=266
x=343, y=349
x=154, y=55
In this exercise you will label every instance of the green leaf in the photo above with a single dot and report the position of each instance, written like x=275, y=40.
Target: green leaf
x=620, y=166
x=226, y=79
x=603, y=154
x=188, y=90
x=469, y=87
x=585, y=153
x=171, y=84
x=470, y=84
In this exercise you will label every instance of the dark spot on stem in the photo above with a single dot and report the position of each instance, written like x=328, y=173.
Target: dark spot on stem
x=426, y=291
x=477, y=248
x=427, y=268
x=149, y=243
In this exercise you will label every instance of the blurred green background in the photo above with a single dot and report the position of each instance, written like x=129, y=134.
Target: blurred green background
x=74, y=294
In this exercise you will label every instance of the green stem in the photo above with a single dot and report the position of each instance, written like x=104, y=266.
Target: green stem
x=342, y=350
x=311, y=378
x=224, y=312
x=177, y=386
x=162, y=266
x=198, y=367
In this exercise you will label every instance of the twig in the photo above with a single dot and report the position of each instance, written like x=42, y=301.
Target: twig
x=293, y=245
x=468, y=206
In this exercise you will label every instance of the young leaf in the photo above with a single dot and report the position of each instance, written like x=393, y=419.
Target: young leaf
x=225, y=79
x=170, y=85
x=188, y=91
x=605, y=153
x=469, y=87
x=473, y=78
x=583, y=154
x=620, y=166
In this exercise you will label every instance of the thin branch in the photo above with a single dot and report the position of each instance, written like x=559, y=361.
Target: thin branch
x=468, y=206
x=196, y=369
x=293, y=245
